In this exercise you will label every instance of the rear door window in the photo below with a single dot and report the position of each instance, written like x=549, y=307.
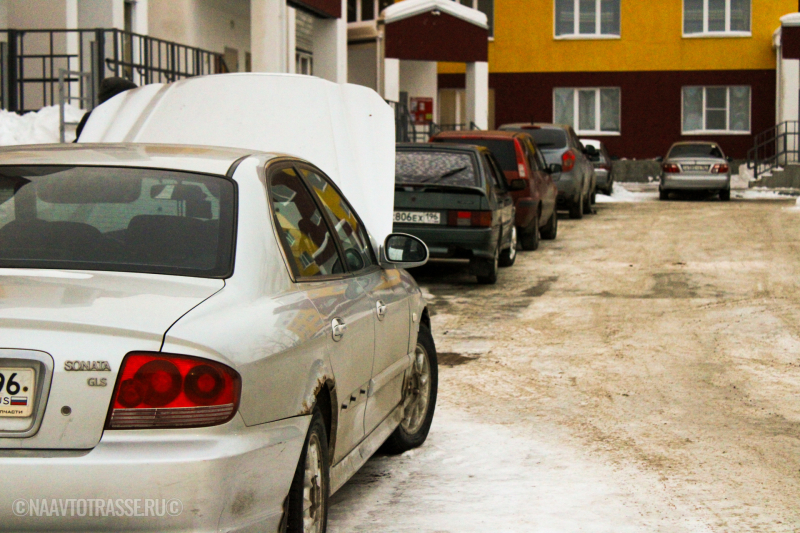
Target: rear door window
x=434, y=167
x=351, y=232
x=306, y=239
x=492, y=169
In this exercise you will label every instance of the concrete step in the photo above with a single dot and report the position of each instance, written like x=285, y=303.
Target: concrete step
x=786, y=177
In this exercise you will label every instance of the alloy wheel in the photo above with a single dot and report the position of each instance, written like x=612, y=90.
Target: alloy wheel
x=418, y=392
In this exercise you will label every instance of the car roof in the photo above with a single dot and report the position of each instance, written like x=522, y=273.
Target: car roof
x=523, y=126
x=478, y=134
x=209, y=160
x=409, y=147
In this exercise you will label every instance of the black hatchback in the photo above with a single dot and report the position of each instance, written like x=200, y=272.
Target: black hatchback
x=454, y=197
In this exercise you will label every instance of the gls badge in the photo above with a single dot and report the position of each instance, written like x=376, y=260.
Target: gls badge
x=96, y=382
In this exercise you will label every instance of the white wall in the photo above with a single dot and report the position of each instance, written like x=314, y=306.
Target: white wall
x=37, y=14
x=419, y=78
x=101, y=14
x=208, y=24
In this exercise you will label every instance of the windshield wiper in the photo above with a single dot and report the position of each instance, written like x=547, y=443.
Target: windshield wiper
x=447, y=174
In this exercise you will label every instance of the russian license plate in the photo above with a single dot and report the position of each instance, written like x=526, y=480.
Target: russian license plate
x=16, y=392
x=416, y=217
x=695, y=168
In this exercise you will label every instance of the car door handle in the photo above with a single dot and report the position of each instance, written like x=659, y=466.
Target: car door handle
x=380, y=308
x=338, y=327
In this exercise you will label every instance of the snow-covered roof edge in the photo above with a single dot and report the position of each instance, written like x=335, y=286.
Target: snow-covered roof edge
x=792, y=19
x=411, y=8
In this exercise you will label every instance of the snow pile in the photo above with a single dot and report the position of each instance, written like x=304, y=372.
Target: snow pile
x=621, y=194
x=762, y=193
x=795, y=208
x=36, y=127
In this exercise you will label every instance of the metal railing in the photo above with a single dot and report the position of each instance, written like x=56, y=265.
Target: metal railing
x=407, y=130
x=30, y=62
x=774, y=148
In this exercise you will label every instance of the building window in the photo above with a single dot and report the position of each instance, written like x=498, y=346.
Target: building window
x=365, y=10
x=587, y=18
x=484, y=6
x=588, y=110
x=715, y=17
x=716, y=110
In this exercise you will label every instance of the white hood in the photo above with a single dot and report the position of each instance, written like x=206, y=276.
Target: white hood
x=346, y=130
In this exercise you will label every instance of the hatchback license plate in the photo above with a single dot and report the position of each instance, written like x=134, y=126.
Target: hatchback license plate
x=415, y=217
x=16, y=392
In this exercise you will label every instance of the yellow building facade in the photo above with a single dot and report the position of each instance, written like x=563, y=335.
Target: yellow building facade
x=638, y=74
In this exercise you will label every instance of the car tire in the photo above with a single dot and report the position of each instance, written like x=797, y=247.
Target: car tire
x=725, y=195
x=492, y=264
x=662, y=194
x=509, y=256
x=417, y=418
x=530, y=238
x=587, y=205
x=576, y=208
x=551, y=229
x=311, y=482
x=594, y=196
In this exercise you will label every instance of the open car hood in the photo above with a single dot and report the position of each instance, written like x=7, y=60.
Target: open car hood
x=346, y=130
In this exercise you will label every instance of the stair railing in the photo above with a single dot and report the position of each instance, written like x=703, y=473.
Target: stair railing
x=774, y=148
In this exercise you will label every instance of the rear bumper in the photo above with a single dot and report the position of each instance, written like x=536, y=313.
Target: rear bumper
x=676, y=182
x=449, y=242
x=603, y=178
x=225, y=478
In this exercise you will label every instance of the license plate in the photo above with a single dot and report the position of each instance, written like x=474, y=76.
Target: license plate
x=416, y=217
x=16, y=392
x=695, y=168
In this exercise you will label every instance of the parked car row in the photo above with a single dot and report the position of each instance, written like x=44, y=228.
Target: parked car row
x=479, y=195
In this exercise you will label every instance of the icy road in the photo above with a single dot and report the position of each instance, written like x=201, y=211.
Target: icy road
x=641, y=373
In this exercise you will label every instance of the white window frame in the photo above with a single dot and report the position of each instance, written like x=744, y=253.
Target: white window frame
x=726, y=131
x=358, y=13
x=576, y=35
x=705, y=34
x=597, y=111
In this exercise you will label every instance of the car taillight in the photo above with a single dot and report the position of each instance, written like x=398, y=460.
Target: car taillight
x=157, y=390
x=720, y=169
x=670, y=168
x=568, y=161
x=520, y=160
x=469, y=218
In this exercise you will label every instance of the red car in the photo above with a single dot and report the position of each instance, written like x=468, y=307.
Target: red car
x=520, y=159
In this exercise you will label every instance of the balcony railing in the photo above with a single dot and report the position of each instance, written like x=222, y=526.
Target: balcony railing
x=30, y=62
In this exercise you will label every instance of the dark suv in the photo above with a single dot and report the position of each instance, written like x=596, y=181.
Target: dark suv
x=454, y=198
x=559, y=144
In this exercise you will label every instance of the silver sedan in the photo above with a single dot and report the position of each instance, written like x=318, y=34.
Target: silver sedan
x=695, y=166
x=196, y=339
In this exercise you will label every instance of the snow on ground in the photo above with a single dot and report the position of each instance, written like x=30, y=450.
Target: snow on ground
x=630, y=192
x=471, y=476
x=36, y=127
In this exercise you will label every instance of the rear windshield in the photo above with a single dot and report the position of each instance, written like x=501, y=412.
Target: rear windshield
x=503, y=150
x=440, y=168
x=118, y=219
x=695, y=150
x=549, y=139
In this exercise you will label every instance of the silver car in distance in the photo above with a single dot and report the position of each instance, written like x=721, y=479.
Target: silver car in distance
x=695, y=166
x=196, y=339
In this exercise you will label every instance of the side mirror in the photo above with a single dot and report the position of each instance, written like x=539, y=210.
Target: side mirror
x=517, y=185
x=401, y=250
x=729, y=159
x=555, y=168
x=590, y=150
x=660, y=159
